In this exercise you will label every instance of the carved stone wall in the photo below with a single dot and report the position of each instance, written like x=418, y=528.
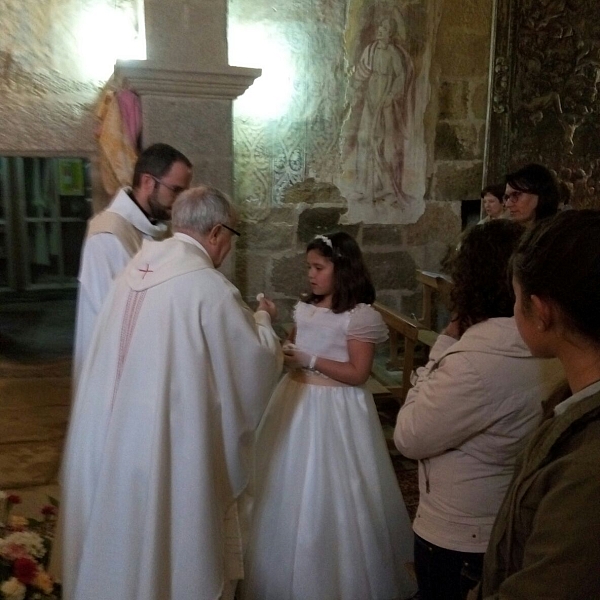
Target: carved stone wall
x=545, y=104
x=353, y=88
x=287, y=126
x=49, y=78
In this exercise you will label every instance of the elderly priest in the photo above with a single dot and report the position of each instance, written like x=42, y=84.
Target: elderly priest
x=161, y=437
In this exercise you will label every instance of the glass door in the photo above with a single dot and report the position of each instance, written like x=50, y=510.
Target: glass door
x=7, y=279
x=50, y=201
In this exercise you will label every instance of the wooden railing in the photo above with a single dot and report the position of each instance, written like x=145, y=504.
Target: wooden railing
x=400, y=326
x=411, y=332
x=432, y=282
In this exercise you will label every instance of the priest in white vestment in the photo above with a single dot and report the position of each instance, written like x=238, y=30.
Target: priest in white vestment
x=115, y=234
x=160, y=443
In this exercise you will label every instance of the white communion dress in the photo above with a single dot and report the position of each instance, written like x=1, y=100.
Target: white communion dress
x=329, y=521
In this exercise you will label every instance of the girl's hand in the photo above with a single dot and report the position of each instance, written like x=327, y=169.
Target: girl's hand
x=296, y=359
x=355, y=371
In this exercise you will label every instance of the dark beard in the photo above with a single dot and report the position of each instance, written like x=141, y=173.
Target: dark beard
x=157, y=211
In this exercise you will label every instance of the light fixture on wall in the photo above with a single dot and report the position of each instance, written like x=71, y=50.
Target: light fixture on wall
x=257, y=45
x=106, y=31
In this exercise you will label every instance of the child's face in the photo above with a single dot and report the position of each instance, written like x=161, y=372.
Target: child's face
x=493, y=207
x=320, y=274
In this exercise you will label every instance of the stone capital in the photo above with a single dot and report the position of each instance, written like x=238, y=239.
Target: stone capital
x=225, y=83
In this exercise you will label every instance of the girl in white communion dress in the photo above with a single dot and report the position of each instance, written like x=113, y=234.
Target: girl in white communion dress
x=329, y=521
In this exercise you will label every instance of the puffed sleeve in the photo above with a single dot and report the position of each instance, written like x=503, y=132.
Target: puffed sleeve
x=298, y=311
x=366, y=325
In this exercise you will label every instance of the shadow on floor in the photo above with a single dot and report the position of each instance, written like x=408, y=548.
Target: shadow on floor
x=37, y=330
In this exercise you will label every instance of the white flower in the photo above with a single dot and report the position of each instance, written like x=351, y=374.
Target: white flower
x=13, y=589
x=32, y=542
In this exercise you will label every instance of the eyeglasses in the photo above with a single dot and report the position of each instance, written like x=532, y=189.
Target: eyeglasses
x=174, y=188
x=231, y=229
x=513, y=196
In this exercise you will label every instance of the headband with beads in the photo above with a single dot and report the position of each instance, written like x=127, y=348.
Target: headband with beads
x=325, y=239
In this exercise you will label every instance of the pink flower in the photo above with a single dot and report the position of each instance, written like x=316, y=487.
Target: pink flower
x=21, y=543
x=49, y=511
x=13, y=499
x=12, y=551
x=25, y=569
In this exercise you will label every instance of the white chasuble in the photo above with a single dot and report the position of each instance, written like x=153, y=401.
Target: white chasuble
x=160, y=444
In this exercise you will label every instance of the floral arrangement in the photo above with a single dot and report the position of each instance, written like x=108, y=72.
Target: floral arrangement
x=24, y=552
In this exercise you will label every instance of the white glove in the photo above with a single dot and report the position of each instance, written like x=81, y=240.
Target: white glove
x=297, y=359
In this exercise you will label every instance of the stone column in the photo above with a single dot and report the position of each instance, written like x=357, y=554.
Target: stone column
x=187, y=86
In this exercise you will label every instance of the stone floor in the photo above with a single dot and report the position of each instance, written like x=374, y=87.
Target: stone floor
x=36, y=340
x=37, y=329
x=33, y=420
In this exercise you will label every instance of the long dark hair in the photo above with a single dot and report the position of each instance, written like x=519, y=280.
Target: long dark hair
x=559, y=260
x=481, y=284
x=351, y=280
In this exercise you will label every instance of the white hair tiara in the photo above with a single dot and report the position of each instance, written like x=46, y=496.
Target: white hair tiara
x=325, y=239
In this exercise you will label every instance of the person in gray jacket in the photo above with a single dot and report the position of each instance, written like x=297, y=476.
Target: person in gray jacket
x=469, y=414
x=546, y=539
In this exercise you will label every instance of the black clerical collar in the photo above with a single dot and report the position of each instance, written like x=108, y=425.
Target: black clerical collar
x=152, y=220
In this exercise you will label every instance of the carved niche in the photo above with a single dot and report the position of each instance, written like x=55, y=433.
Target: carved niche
x=544, y=103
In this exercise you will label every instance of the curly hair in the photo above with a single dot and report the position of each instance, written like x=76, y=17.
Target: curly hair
x=480, y=273
x=352, y=283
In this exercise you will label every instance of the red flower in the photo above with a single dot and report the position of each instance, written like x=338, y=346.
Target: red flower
x=25, y=569
x=49, y=511
x=13, y=499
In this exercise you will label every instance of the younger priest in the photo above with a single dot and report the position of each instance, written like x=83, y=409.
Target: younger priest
x=160, y=443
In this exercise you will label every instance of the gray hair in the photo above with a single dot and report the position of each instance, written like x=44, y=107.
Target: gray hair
x=200, y=208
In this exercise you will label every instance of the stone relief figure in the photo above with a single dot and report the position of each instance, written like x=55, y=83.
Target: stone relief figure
x=560, y=67
x=554, y=97
x=382, y=82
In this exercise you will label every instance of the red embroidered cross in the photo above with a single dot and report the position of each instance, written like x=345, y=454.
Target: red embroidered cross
x=145, y=271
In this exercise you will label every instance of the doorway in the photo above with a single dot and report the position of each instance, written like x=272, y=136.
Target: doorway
x=44, y=207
